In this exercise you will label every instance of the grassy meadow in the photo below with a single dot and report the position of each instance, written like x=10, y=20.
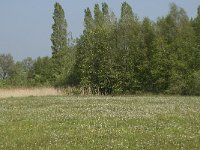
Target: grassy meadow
x=98, y=122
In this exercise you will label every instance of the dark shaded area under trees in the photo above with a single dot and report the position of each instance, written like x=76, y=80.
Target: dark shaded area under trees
x=122, y=56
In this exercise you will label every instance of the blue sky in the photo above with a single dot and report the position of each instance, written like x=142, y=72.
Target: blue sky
x=25, y=25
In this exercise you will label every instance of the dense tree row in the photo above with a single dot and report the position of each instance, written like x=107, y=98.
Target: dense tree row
x=124, y=55
x=129, y=55
x=15, y=74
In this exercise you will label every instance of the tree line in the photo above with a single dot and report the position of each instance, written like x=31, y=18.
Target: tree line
x=122, y=55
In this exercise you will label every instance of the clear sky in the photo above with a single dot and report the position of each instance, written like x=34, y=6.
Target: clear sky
x=25, y=25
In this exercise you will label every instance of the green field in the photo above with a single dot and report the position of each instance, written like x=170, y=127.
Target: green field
x=139, y=122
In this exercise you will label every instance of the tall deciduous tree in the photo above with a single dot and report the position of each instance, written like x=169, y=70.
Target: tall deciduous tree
x=62, y=56
x=127, y=50
x=59, y=35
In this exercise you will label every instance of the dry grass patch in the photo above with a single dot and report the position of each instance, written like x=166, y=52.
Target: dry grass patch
x=24, y=92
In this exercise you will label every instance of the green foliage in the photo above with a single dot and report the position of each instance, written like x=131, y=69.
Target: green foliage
x=88, y=20
x=98, y=16
x=130, y=56
x=59, y=35
x=20, y=76
x=196, y=50
x=124, y=55
x=93, y=56
x=6, y=66
x=128, y=53
x=148, y=39
x=62, y=55
x=17, y=74
x=43, y=71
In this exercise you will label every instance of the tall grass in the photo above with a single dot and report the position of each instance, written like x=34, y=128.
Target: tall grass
x=24, y=92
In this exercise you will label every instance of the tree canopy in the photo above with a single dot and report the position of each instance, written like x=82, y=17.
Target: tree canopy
x=124, y=55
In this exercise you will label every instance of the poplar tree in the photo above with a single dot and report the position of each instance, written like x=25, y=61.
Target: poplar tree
x=60, y=51
x=98, y=16
x=106, y=13
x=88, y=20
x=127, y=51
x=83, y=52
x=102, y=51
x=59, y=35
x=93, y=49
